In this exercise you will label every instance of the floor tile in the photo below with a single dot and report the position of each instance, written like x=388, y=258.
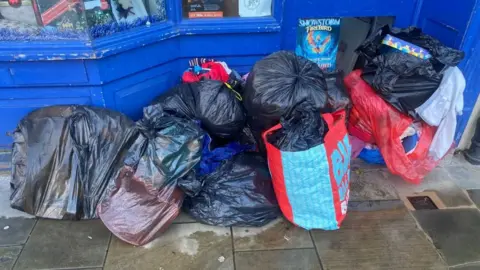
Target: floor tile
x=439, y=182
x=5, y=210
x=386, y=239
x=15, y=231
x=464, y=177
x=301, y=259
x=474, y=195
x=279, y=234
x=473, y=266
x=358, y=163
x=455, y=232
x=182, y=246
x=369, y=185
x=65, y=244
x=8, y=255
x=375, y=205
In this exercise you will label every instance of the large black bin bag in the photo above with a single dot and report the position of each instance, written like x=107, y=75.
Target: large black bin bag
x=280, y=83
x=63, y=158
x=218, y=107
x=238, y=193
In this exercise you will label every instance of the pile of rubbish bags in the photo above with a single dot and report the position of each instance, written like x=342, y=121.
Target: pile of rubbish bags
x=240, y=151
x=405, y=101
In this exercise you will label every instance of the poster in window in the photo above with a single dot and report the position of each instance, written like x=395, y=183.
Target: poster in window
x=317, y=40
x=205, y=8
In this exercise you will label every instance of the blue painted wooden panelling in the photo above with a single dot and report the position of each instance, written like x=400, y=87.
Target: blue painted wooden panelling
x=445, y=20
x=456, y=24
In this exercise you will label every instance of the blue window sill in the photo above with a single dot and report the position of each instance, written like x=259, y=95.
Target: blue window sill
x=134, y=38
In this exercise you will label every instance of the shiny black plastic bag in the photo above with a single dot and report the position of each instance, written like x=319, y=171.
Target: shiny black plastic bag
x=64, y=158
x=218, y=107
x=280, y=83
x=391, y=64
x=238, y=193
x=300, y=132
x=337, y=94
x=146, y=198
x=408, y=93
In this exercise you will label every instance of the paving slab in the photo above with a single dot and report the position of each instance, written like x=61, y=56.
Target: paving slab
x=279, y=234
x=15, y=231
x=5, y=210
x=439, y=182
x=455, y=232
x=375, y=205
x=473, y=266
x=474, y=195
x=387, y=239
x=65, y=244
x=295, y=259
x=371, y=185
x=182, y=246
x=464, y=176
x=8, y=256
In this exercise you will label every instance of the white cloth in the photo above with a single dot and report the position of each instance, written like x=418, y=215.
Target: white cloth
x=254, y=8
x=441, y=110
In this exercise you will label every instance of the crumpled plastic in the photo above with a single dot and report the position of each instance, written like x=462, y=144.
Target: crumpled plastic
x=218, y=107
x=300, y=132
x=372, y=115
x=146, y=198
x=64, y=158
x=279, y=84
x=404, y=80
x=238, y=193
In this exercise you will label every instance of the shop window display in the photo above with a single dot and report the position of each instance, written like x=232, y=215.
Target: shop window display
x=75, y=19
x=195, y=9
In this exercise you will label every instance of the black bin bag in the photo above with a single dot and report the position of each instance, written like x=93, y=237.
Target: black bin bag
x=146, y=199
x=281, y=82
x=404, y=80
x=238, y=193
x=408, y=93
x=299, y=132
x=277, y=85
x=64, y=157
x=337, y=94
x=213, y=103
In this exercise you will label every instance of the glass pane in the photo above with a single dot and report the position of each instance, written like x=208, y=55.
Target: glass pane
x=75, y=19
x=42, y=20
x=195, y=9
x=119, y=15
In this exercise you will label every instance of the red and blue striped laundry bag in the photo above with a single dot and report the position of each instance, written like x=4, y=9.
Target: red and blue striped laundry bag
x=312, y=186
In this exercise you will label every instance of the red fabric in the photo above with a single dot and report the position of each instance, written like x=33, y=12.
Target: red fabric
x=275, y=157
x=217, y=72
x=372, y=115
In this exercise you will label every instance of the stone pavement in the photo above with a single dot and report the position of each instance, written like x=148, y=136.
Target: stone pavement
x=381, y=232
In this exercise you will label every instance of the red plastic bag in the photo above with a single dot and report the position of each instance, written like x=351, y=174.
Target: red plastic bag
x=312, y=186
x=372, y=115
x=136, y=211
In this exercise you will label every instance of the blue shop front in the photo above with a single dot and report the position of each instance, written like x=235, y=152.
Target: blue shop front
x=121, y=54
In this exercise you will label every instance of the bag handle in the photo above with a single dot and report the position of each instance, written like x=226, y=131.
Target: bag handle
x=331, y=118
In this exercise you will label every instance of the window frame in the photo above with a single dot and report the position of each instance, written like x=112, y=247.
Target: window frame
x=174, y=26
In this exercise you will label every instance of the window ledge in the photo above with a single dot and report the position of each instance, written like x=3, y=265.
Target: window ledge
x=134, y=38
